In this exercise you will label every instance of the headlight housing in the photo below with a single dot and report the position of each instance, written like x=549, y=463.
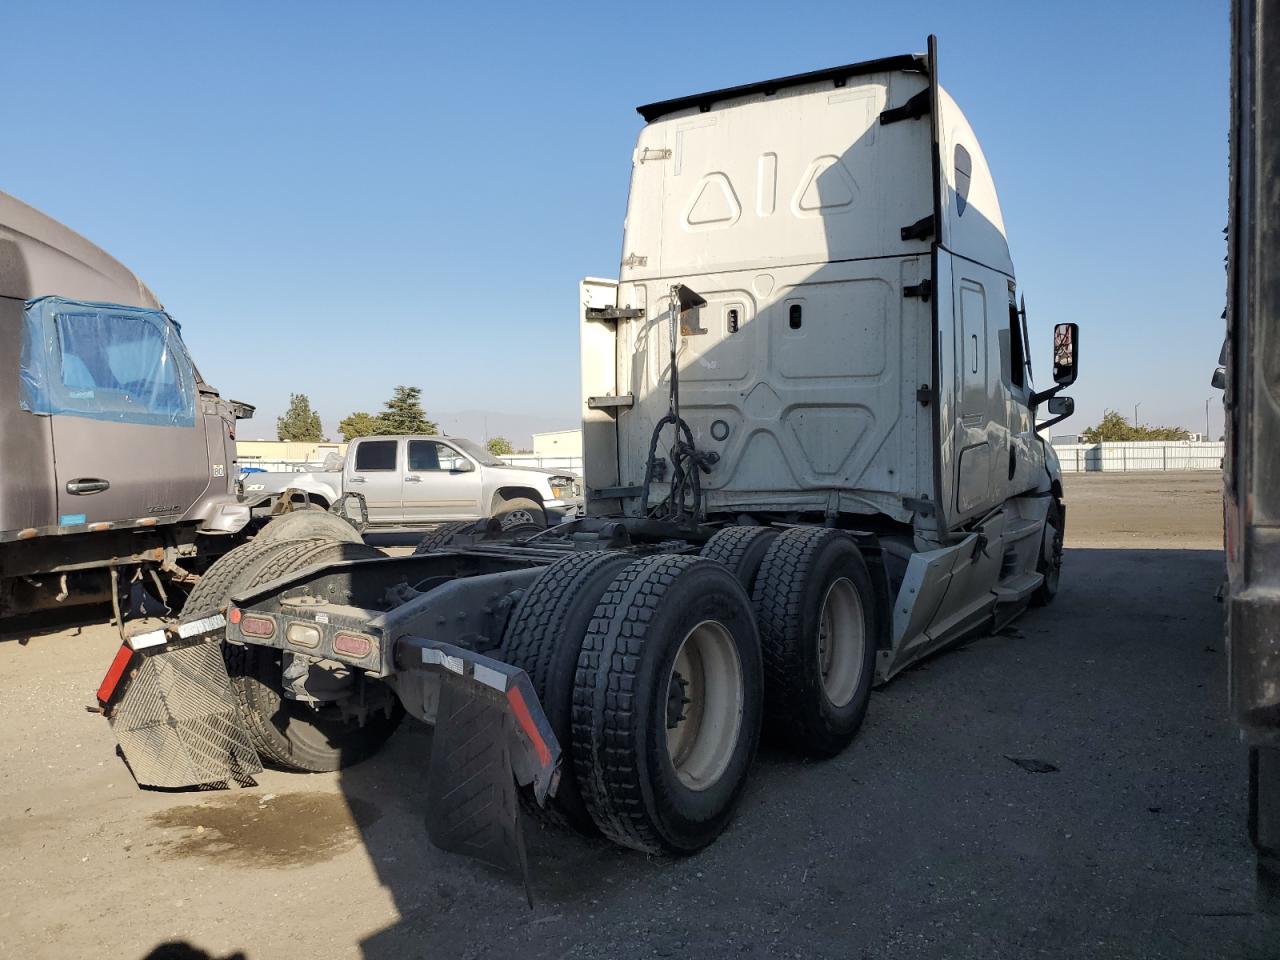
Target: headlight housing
x=565, y=487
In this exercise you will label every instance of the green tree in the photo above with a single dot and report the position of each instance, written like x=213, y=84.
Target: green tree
x=360, y=424
x=1114, y=427
x=500, y=446
x=299, y=422
x=404, y=413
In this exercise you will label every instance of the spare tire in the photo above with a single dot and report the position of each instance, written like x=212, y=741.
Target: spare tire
x=310, y=523
x=289, y=733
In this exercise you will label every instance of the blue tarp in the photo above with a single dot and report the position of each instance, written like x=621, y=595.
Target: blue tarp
x=105, y=362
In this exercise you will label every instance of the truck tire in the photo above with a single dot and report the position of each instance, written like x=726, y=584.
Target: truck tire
x=520, y=515
x=310, y=523
x=543, y=638
x=441, y=536
x=288, y=733
x=741, y=549
x=667, y=703
x=213, y=590
x=1049, y=564
x=817, y=613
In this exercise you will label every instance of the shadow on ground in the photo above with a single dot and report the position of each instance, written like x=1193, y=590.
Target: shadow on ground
x=930, y=836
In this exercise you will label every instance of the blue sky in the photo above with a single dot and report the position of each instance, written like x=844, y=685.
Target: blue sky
x=335, y=198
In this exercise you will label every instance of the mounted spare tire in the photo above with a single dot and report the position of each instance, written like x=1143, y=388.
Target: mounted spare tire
x=287, y=733
x=309, y=523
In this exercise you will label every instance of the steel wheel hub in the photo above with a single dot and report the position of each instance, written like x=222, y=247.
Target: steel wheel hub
x=703, y=705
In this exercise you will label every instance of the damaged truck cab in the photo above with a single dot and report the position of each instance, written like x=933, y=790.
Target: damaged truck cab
x=812, y=457
x=118, y=455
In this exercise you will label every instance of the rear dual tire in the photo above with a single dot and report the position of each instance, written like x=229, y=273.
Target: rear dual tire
x=817, y=614
x=666, y=704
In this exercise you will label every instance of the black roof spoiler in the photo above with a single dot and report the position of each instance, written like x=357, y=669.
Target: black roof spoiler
x=910, y=62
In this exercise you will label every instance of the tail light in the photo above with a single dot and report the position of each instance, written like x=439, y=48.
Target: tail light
x=261, y=627
x=353, y=645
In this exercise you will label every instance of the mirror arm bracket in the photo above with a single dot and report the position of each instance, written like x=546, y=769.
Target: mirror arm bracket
x=1041, y=396
x=1049, y=423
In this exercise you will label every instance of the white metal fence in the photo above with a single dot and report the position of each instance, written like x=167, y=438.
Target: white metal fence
x=1140, y=455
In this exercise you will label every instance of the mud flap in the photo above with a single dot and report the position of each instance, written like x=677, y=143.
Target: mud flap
x=472, y=805
x=490, y=735
x=174, y=714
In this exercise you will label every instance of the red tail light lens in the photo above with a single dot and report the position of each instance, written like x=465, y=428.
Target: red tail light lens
x=263, y=627
x=234, y=615
x=352, y=645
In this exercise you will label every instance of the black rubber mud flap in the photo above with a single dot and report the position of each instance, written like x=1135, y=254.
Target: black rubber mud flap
x=473, y=807
x=174, y=714
x=490, y=735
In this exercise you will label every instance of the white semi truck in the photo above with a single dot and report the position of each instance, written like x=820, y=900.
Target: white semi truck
x=812, y=458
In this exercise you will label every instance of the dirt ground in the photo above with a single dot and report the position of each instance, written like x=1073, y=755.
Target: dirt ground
x=1151, y=510
x=932, y=836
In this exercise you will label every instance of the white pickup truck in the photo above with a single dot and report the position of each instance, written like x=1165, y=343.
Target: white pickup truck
x=410, y=480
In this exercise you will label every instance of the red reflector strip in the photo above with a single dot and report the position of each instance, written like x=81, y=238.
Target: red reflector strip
x=525, y=719
x=257, y=626
x=352, y=644
x=118, y=666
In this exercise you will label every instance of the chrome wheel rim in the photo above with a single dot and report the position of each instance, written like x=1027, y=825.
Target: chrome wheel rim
x=841, y=642
x=703, y=702
x=517, y=518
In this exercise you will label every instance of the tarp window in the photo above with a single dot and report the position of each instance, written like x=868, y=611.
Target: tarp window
x=105, y=362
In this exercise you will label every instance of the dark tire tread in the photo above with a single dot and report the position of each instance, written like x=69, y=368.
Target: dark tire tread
x=779, y=600
x=739, y=549
x=442, y=535
x=531, y=641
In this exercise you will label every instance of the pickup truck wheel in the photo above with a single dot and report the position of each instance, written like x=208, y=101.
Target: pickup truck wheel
x=816, y=609
x=741, y=549
x=290, y=733
x=543, y=638
x=1049, y=565
x=667, y=703
x=520, y=515
x=310, y=523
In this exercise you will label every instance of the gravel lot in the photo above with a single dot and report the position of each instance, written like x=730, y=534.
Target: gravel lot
x=923, y=840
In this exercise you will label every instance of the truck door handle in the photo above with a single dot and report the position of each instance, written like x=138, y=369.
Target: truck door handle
x=86, y=485
x=357, y=479
x=410, y=478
